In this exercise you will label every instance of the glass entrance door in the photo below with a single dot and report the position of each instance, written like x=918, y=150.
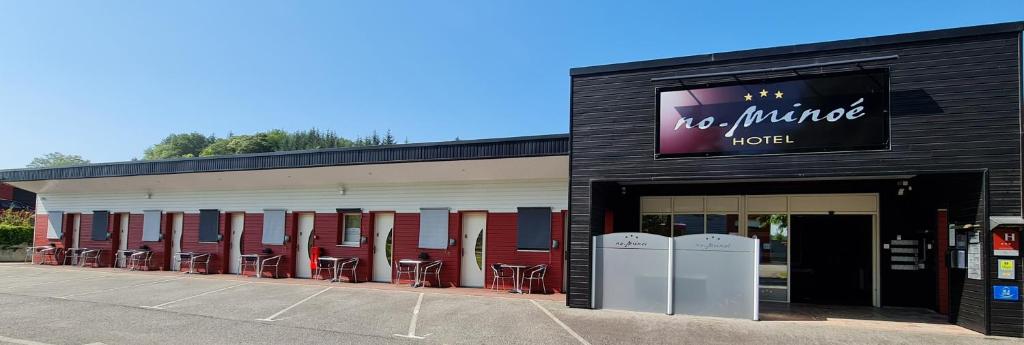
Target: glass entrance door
x=772, y=230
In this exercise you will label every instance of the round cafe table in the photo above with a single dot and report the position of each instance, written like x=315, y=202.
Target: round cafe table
x=517, y=277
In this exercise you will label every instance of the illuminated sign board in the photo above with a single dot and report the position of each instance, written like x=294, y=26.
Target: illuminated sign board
x=838, y=112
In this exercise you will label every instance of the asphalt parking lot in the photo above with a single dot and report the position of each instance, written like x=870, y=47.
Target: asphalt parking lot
x=57, y=305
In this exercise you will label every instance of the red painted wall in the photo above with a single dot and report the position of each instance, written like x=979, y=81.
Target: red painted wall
x=502, y=248
x=40, y=233
x=190, y=242
x=406, y=242
x=85, y=241
x=252, y=243
x=328, y=231
x=6, y=191
x=501, y=242
x=942, y=279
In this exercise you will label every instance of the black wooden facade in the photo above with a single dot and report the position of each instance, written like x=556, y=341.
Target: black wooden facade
x=955, y=127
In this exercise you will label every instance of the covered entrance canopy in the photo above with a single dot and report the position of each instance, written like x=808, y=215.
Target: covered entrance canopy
x=870, y=241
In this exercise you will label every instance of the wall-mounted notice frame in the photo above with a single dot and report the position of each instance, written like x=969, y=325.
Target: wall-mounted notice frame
x=974, y=256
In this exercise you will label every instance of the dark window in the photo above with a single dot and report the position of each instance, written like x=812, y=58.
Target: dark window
x=350, y=223
x=100, y=224
x=534, y=232
x=687, y=224
x=209, y=224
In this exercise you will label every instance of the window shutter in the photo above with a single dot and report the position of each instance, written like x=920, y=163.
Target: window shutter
x=273, y=226
x=534, y=228
x=54, y=224
x=100, y=224
x=151, y=226
x=434, y=228
x=209, y=222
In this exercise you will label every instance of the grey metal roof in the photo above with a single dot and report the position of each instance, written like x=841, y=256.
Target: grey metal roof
x=804, y=48
x=514, y=147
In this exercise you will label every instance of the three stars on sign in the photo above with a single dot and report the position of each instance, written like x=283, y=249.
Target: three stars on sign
x=764, y=93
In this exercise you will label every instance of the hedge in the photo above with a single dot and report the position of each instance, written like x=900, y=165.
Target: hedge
x=11, y=235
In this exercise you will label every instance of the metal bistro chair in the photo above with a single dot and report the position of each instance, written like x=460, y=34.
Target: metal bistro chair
x=433, y=268
x=536, y=273
x=140, y=260
x=201, y=259
x=500, y=275
x=91, y=254
x=51, y=256
x=350, y=264
x=72, y=256
x=408, y=269
x=273, y=261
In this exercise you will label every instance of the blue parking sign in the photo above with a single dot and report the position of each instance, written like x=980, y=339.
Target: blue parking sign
x=1005, y=293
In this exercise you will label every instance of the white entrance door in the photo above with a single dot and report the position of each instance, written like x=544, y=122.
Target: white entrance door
x=76, y=223
x=383, y=237
x=474, y=237
x=237, y=222
x=122, y=236
x=176, y=224
x=302, y=269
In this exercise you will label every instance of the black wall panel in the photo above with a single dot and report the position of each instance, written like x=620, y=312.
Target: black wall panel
x=955, y=107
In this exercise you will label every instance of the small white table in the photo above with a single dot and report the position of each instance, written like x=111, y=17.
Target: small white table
x=417, y=282
x=517, y=277
x=192, y=256
x=257, y=259
x=123, y=255
x=74, y=253
x=334, y=266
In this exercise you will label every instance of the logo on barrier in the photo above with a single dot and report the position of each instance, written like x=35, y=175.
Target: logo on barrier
x=631, y=241
x=713, y=244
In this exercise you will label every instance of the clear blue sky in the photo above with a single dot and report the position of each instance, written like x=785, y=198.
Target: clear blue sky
x=106, y=79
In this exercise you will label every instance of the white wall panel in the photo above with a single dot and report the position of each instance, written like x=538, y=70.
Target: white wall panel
x=495, y=196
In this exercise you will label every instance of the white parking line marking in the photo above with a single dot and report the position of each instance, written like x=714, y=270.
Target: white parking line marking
x=120, y=288
x=559, y=322
x=412, y=323
x=26, y=276
x=52, y=282
x=20, y=341
x=162, y=305
x=271, y=318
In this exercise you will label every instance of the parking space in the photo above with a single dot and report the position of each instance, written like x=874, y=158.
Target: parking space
x=155, y=294
x=244, y=302
x=65, y=305
x=482, y=320
x=354, y=311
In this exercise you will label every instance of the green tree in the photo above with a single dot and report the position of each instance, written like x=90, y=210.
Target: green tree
x=179, y=145
x=195, y=144
x=56, y=159
x=238, y=144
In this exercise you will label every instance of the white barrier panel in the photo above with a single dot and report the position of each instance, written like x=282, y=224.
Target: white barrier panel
x=715, y=275
x=631, y=271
